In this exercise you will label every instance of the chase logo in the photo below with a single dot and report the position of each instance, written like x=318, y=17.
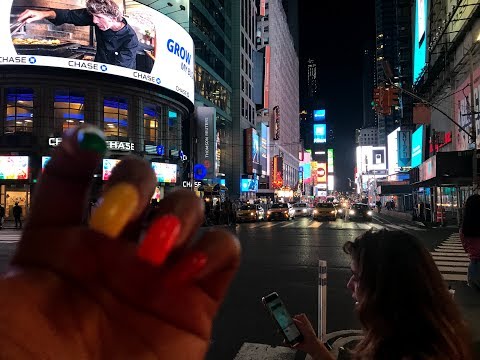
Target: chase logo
x=178, y=50
x=159, y=81
x=32, y=60
x=103, y=68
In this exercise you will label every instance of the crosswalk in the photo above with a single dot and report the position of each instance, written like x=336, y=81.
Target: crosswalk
x=451, y=259
x=332, y=225
x=9, y=236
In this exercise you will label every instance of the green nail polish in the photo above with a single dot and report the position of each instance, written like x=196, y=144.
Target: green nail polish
x=92, y=139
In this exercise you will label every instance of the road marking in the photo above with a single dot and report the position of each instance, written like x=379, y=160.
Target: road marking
x=253, y=351
x=452, y=263
x=287, y=225
x=454, y=277
x=315, y=225
x=451, y=251
x=450, y=258
x=453, y=269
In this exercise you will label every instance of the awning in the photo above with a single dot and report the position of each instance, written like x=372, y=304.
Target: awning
x=394, y=189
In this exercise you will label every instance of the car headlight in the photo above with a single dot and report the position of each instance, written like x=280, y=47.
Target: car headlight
x=269, y=212
x=352, y=212
x=252, y=213
x=285, y=211
x=332, y=212
x=340, y=211
x=315, y=211
x=369, y=213
x=304, y=210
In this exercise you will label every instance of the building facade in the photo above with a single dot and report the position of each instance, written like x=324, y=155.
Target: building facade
x=367, y=136
x=370, y=117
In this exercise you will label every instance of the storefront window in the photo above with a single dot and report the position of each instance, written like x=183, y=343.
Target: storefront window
x=151, y=114
x=115, y=117
x=19, y=117
x=68, y=109
x=174, y=130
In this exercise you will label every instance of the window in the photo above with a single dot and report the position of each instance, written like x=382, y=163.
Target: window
x=68, y=110
x=151, y=114
x=115, y=117
x=19, y=117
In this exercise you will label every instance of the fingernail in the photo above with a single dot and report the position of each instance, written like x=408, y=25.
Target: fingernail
x=118, y=205
x=160, y=239
x=92, y=139
x=189, y=267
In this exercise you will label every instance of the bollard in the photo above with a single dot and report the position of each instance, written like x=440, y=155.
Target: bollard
x=322, y=300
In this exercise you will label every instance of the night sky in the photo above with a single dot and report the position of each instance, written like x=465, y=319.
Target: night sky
x=336, y=36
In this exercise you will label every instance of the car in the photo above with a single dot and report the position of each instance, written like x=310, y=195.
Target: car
x=360, y=211
x=281, y=211
x=341, y=211
x=302, y=209
x=250, y=212
x=325, y=211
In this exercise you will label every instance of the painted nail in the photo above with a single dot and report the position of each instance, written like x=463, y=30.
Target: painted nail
x=118, y=205
x=160, y=239
x=92, y=139
x=191, y=266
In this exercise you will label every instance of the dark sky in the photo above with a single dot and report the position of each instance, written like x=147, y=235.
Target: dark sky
x=336, y=35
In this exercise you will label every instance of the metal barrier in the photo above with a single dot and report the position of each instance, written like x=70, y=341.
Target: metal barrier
x=322, y=300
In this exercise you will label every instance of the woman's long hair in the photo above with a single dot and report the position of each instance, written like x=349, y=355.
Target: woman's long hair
x=404, y=304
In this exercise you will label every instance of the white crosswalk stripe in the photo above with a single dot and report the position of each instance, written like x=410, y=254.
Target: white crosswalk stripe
x=253, y=351
x=7, y=236
x=451, y=259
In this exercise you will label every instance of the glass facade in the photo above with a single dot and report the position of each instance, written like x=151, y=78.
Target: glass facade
x=115, y=117
x=68, y=110
x=19, y=111
x=212, y=89
x=151, y=115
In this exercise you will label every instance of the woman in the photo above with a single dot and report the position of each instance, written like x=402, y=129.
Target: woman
x=470, y=236
x=402, y=301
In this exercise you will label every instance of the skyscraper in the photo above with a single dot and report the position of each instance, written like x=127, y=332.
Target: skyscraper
x=370, y=117
x=394, y=44
x=312, y=80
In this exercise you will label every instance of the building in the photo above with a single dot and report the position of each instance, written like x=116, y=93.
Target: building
x=211, y=30
x=367, y=136
x=291, y=11
x=312, y=80
x=282, y=112
x=143, y=105
x=393, y=20
x=446, y=51
x=370, y=117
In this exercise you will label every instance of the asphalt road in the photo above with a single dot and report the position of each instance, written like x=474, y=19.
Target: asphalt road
x=283, y=257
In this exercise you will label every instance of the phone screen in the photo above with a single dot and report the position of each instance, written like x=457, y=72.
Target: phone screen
x=284, y=320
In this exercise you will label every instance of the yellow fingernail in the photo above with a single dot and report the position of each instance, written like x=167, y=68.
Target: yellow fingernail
x=119, y=204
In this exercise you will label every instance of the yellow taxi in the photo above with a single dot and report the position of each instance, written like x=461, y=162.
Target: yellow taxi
x=325, y=211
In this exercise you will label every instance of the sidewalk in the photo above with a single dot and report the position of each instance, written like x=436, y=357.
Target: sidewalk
x=407, y=216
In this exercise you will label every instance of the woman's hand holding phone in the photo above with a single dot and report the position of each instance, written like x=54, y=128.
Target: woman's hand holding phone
x=311, y=344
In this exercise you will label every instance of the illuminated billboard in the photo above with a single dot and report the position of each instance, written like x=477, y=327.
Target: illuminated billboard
x=330, y=161
x=418, y=144
x=108, y=165
x=319, y=133
x=45, y=160
x=371, y=158
x=319, y=115
x=331, y=183
x=247, y=185
x=252, y=151
x=165, y=173
x=264, y=149
x=392, y=148
x=133, y=40
x=420, y=38
x=322, y=173
x=13, y=167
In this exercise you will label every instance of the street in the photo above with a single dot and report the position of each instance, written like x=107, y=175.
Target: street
x=283, y=257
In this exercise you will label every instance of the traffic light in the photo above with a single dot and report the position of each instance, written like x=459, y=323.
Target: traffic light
x=380, y=100
x=394, y=94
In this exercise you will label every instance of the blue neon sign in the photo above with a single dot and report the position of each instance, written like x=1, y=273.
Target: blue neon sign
x=319, y=115
x=420, y=38
x=319, y=133
x=417, y=146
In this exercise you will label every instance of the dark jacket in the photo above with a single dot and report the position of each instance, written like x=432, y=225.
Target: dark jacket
x=113, y=47
x=2, y=212
x=17, y=211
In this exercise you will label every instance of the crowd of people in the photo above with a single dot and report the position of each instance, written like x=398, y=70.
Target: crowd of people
x=81, y=290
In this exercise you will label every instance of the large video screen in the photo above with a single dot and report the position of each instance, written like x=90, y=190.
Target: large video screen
x=420, y=38
x=166, y=173
x=417, y=146
x=118, y=37
x=319, y=115
x=108, y=165
x=319, y=133
x=249, y=185
x=13, y=167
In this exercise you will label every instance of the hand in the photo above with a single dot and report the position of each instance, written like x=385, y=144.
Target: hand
x=79, y=292
x=35, y=15
x=311, y=344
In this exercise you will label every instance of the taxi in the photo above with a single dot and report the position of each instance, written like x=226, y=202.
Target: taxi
x=325, y=211
x=250, y=212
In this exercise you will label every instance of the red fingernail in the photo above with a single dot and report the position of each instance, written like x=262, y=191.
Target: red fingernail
x=160, y=239
x=194, y=263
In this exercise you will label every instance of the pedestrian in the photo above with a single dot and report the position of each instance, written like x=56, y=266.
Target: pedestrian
x=470, y=237
x=17, y=215
x=402, y=302
x=379, y=206
x=2, y=216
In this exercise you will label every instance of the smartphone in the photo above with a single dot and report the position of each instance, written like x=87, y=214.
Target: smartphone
x=282, y=318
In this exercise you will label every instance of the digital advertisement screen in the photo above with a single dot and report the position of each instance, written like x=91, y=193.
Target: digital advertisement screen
x=319, y=133
x=392, y=147
x=330, y=161
x=13, y=167
x=45, y=160
x=166, y=173
x=108, y=165
x=322, y=173
x=255, y=148
x=123, y=38
x=319, y=115
x=264, y=150
x=420, y=38
x=247, y=185
x=417, y=146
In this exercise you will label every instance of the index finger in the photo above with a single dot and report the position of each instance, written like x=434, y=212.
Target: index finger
x=61, y=195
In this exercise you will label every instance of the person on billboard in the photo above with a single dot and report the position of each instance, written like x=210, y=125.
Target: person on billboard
x=117, y=42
